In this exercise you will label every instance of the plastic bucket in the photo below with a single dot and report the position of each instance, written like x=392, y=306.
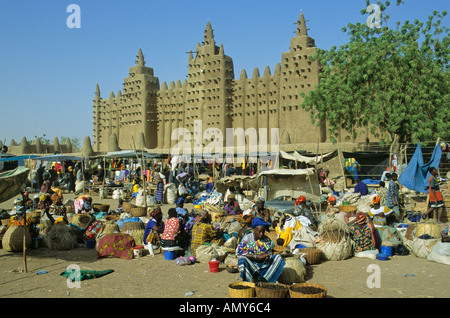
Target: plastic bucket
x=90, y=243
x=387, y=250
x=170, y=255
x=137, y=251
x=214, y=266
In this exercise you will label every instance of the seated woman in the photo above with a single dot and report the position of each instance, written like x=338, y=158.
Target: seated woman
x=255, y=260
x=203, y=232
x=288, y=224
x=232, y=206
x=260, y=211
x=332, y=210
x=154, y=228
x=363, y=234
x=171, y=230
x=378, y=212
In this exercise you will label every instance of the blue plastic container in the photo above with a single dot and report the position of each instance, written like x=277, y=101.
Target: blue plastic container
x=90, y=243
x=383, y=257
x=170, y=255
x=387, y=250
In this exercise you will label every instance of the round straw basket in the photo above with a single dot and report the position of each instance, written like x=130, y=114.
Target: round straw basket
x=126, y=207
x=242, y=290
x=350, y=209
x=139, y=211
x=132, y=226
x=301, y=291
x=279, y=249
x=98, y=207
x=271, y=290
x=313, y=255
x=81, y=219
x=12, y=240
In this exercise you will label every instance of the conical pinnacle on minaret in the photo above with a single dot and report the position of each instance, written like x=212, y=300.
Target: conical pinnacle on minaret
x=97, y=91
x=140, y=58
x=209, y=35
x=301, y=25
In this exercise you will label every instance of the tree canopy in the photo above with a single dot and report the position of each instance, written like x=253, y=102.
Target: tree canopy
x=392, y=80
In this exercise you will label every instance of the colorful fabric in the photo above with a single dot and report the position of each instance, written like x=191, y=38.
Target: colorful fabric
x=116, y=245
x=233, y=208
x=290, y=224
x=300, y=199
x=363, y=238
x=202, y=233
x=379, y=220
x=171, y=229
x=268, y=271
x=159, y=192
x=248, y=245
x=148, y=232
x=376, y=199
x=435, y=201
x=392, y=194
x=382, y=193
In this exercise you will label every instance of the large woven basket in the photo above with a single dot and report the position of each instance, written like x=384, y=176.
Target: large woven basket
x=98, y=207
x=12, y=240
x=350, y=209
x=126, y=207
x=271, y=290
x=294, y=291
x=81, y=219
x=313, y=255
x=217, y=216
x=139, y=211
x=242, y=290
x=132, y=226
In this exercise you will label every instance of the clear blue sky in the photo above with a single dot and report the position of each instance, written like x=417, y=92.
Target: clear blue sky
x=48, y=71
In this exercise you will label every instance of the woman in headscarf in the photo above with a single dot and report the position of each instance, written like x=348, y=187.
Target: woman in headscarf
x=203, y=232
x=160, y=181
x=379, y=212
x=363, y=234
x=260, y=211
x=255, y=259
x=232, y=206
x=154, y=227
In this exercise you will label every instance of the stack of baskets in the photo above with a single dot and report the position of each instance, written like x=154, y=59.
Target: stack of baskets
x=307, y=290
x=313, y=255
x=242, y=290
x=136, y=230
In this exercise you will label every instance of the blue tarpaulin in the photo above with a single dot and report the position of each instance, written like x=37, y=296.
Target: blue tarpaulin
x=416, y=175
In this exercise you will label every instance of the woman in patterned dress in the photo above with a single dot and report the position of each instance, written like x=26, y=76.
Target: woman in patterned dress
x=363, y=234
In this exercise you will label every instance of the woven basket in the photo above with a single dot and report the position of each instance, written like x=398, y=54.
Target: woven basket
x=297, y=294
x=126, y=207
x=5, y=222
x=236, y=292
x=35, y=214
x=272, y=235
x=81, y=219
x=313, y=255
x=98, y=207
x=132, y=226
x=279, y=249
x=12, y=240
x=350, y=209
x=264, y=290
x=139, y=211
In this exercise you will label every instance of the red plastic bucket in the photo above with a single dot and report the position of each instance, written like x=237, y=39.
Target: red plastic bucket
x=214, y=266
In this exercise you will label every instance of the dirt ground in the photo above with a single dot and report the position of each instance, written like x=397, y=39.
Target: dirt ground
x=155, y=277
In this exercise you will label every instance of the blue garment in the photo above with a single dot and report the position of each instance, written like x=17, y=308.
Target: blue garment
x=361, y=188
x=149, y=228
x=267, y=271
x=181, y=211
x=392, y=194
x=415, y=176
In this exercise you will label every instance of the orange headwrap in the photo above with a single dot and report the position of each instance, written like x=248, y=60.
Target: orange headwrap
x=300, y=199
x=376, y=199
x=331, y=199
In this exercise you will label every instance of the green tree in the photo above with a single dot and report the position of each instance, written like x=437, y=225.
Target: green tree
x=393, y=81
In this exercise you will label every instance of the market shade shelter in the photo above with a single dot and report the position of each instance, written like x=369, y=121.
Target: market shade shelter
x=56, y=158
x=290, y=183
